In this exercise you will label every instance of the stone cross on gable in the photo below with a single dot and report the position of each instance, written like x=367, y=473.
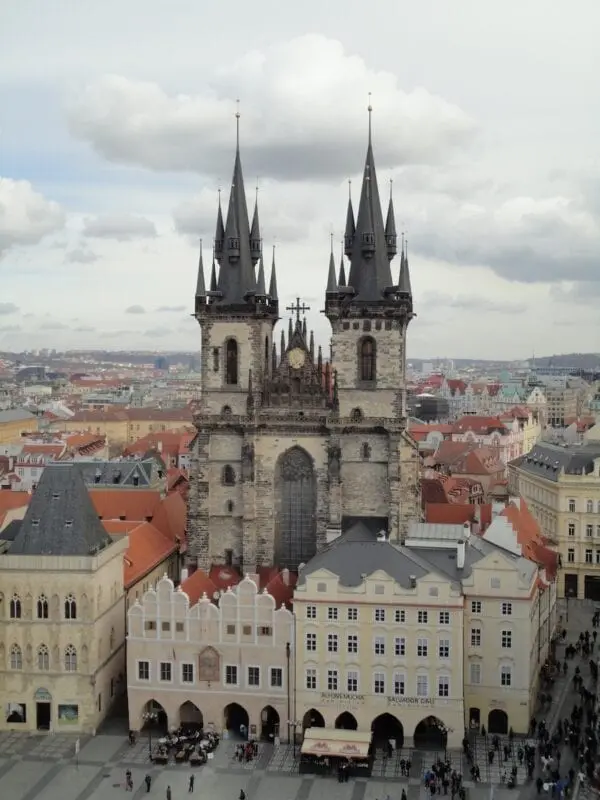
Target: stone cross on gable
x=297, y=309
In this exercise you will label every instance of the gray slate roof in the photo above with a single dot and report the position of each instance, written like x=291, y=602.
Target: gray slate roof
x=122, y=472
x=548, y=460
x=15, y=415
x=61, y=519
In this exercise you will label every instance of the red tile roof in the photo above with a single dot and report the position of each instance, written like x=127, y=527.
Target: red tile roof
x=197, y=585
x=136, y=504
x=148, y=548
x=449, y=513
x=48, y=449
x=224, y=577
x=281, y=591
x=170, y=443
x=481, y=425
x=170, y=517
x=432, y=491
x=530, y=537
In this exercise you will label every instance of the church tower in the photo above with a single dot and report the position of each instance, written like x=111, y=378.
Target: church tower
x=236, y=313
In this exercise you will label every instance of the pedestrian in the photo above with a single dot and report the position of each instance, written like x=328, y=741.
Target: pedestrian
x=169, y=796
x=148, y=781
x=128, y=781
x=242, y=795
x=191, y=784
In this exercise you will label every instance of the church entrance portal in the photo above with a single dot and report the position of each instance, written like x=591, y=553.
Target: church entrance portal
x=295, y=508
x=42, y=716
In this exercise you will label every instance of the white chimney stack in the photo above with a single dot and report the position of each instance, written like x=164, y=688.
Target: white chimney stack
x=184, y=574
x=461, y=548
x=285, y=576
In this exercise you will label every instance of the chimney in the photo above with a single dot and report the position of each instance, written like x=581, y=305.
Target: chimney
x=159, y=446
x=413, y=581
x=184, y=574
x=467, y=530
x=461, y=548
x=285, y=576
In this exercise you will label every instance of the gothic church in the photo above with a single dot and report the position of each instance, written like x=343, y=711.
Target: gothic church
x=292, y=448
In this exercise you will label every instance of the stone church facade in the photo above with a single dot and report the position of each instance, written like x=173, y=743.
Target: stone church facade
x=291, y=446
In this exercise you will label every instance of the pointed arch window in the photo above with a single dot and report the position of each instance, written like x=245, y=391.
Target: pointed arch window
x=43, y=655
x=231, y=362
x=42, y=607
x=228, y=475
x=70, y=659
x=15, y=608
x=70, y=607
x=16, y=657
x=365, y=451
x=367, y=359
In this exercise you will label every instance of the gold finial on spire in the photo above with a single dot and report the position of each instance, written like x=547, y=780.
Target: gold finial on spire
x=370, y=110
x=391, y=187
x=350, y=189
x=256, y=190
x=237, y=122
x=331, y=241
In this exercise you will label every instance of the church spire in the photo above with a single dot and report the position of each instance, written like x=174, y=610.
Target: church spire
x=200, y=285
x=350, y=231
x=370, y=273
x=390, y=228
x=236, y=276
x=273, y=282
x=261, y=289
x=342, y=274
x=255, y=241
x=331, y=280
x=404, y=279
x=219, y=232
x=213, y=275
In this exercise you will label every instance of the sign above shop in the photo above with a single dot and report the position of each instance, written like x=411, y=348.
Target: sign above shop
x=400, y=700
x=336, y=698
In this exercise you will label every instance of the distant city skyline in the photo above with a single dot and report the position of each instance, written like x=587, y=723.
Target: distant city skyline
x=113, y=147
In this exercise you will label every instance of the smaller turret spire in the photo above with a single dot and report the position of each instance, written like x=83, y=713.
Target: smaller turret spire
x=304, y=331
x=320, y=363
x=200, y=284
x=290, y=330
x=220, y=231
x=261, y=290
x=350, y=231
x=255, y=240
x=342, y=274
x=274, y=358
x=213, y=275
x=273, y=282
x=404, y=281
x=311, y=347
x=282, y=345
x=331, y=279
x=390, y=228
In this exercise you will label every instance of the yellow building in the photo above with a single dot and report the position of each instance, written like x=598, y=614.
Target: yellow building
x=190, y=660
x=379, y=644
x=562, y=488
x=14, y=422
x=62, y=615
x=126, y=425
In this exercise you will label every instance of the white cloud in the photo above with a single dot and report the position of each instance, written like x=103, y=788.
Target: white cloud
x=121, y=227
x=8, y=308
x=9, y=328
x=80, y=255
x=300, y=118
x=53, y=325
x=159, y=332
x=170, y=309
x=25, y=215
x=135, y=310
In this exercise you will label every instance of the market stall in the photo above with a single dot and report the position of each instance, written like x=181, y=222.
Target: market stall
x=325, y=751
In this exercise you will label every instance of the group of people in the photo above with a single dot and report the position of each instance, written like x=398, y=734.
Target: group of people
x=443, y=778
x=246, y=751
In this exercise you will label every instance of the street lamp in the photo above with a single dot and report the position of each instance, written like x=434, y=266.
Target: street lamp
x=292, y=725
x=150, y=717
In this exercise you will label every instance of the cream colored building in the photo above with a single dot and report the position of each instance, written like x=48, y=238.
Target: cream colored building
x=379, y=643
x=562, y=488
x=62, y=612
x=221, y=665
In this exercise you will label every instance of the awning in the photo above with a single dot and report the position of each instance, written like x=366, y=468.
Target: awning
x=336, y=742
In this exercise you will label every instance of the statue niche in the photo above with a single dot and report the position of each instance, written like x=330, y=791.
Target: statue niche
x=295, y=509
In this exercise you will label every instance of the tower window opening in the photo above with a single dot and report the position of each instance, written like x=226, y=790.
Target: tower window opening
x=231, y=366
x=367, y=360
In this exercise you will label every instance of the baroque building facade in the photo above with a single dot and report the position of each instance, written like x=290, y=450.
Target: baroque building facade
x=290, y=444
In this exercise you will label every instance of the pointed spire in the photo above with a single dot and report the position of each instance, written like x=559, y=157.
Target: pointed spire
x=274, y=358
x=200, y=285
x=311, y=346
x=255, y=240
x=370, y=273
x=404, y=280
x=342, y=274
x=220, y=231
x=290, y=330
x=304, y=331
x=261, y=290
x=282, y=346
x=213, y=276
x=320, y=363
x=273, y=282
x=331, y=279
x=390, y=228
x=350, y=231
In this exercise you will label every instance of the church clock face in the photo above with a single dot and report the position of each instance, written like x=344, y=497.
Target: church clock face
x=296, y=358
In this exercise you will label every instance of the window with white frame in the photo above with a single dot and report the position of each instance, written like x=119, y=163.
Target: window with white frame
x=332, y=680
x=506, y=609
x=352, y=643
x=588, y=556
x=589, y=506
x=422, y=686
x=571, y=505
x=311, y=612
x=399, y=683
x=253, y=676
x=332, y=614
x=505, y=675
x=400, y=646
x=379, y=645
x=187, y=673
x=422, y=617
x=143, y=671
x=276, y=677
x=476, y=606
x=352, y=681
x=378, y=683
x=166, y=671
x=475, y=673
x=571, y=529
x=475, y=637
x=332, y=642
x=311, y=678
x=422, y=648
x=311, y=642
x=506, y=639
x=231, y=675
x=589, y=531
x=571, y=555
x=443, y=686
x=352, y=614
x=444, y=618
x=400, y=616
x=379, y=615
x=444, y=648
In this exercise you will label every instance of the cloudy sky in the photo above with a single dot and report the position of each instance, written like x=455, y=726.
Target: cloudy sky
x=117, y=129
